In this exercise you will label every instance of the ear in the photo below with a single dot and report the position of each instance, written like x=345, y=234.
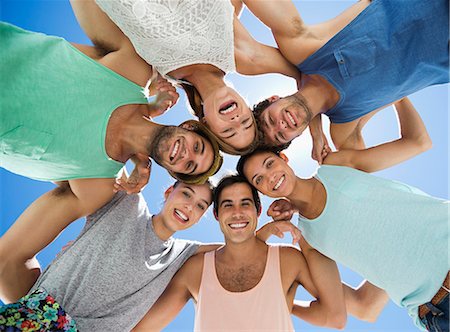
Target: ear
x=202, y=120
x=168, y=192
x=273, y=98
x=259, y=210
x=215, y=215
x=187, y=126
x=284, y=157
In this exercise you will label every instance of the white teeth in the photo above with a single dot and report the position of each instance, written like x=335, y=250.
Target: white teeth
x=240, y=225
x=280, y=181
x=175, y=150
x=291, y=118
x=181, y=215
x=229, y=109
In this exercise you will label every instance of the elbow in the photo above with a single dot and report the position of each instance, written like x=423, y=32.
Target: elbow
x=425, y=143
x=336, y=320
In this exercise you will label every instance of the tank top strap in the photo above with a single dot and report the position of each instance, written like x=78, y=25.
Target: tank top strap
x=272, y=270
x=209, y=269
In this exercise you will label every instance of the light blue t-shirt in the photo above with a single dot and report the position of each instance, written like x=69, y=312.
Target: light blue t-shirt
x=392, y=234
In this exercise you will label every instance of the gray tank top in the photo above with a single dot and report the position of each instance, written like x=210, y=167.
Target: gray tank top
x=116, y=269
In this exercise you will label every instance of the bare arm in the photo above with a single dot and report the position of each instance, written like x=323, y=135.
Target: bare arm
x=98, y=26
x=254, y=58
x=113, y=49
x=414, y=140
x=366, y=302
x=329, y=309
x=320, y=142
x=174, y=297
x=41, y=223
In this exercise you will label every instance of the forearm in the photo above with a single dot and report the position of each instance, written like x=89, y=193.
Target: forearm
x=412, y=127
x=315, y=127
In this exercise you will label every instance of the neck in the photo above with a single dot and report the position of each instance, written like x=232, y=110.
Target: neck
x=301, y=196
x=159, y=227
x=206, y=81
x=242, y=252
x=319, y=94
x=128, y=133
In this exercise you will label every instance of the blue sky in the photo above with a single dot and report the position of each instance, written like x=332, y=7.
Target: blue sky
x=429, y=171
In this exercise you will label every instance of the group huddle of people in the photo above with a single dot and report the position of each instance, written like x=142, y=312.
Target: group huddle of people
x=90, y=109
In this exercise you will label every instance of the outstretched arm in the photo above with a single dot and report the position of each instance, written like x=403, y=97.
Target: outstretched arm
x=414, y=140
x=329, y=307
x=40, y=224
x=255, y=58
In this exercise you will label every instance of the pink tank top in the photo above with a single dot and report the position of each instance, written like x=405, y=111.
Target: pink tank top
x=261, y=308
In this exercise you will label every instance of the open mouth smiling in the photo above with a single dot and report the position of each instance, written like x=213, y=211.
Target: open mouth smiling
x=290, y=120
x=179, y=215
x=175, y=153
x=279, y=183
x=228, y=107
x=238, y=225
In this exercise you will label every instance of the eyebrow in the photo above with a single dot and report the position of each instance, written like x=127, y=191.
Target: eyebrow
x=193, y=169
x=263, y=165
x=203, y=146
x=226, y=201
x=187, y=187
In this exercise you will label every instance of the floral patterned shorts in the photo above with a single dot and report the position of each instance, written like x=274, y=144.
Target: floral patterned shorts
x=37, y=311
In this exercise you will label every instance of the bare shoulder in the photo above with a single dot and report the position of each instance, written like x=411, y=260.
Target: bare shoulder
x=291, y=258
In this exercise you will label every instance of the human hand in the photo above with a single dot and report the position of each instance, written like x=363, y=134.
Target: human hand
x=278, y=228
x=166, y=95
x=138, y=178
x=281, y=209
x=320, y=148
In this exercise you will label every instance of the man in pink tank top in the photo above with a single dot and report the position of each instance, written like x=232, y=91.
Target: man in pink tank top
x=247, y=284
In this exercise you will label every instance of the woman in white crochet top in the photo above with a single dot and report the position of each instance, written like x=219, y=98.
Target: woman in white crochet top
x=197, y=43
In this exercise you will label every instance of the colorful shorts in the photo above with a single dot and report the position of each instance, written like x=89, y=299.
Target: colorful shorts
x=37, y=311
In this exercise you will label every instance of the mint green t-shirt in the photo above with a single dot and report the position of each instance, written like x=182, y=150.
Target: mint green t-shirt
x=392, y=234
x=55, y=106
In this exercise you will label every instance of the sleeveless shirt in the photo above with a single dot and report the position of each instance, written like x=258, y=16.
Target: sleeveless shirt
x=55, y=106
x=261, y=308
x=392, y=49
x=392, y=234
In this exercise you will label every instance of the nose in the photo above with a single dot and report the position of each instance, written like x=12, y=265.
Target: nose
x=188, y=207
x=235, y=117
x=237, y=215
x=282, y=124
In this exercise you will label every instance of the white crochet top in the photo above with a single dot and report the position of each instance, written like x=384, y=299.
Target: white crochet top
x=170, y=34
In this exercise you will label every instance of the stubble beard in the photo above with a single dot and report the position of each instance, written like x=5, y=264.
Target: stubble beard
x=159, y=144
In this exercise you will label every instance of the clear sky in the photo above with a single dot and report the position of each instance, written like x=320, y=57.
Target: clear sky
x=429, y=171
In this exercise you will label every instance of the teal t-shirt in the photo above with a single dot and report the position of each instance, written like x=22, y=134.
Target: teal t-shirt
x=392, y=234
x=55, y=106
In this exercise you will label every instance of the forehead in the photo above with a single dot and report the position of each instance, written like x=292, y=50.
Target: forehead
x=255, y=161
x=236, y=192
